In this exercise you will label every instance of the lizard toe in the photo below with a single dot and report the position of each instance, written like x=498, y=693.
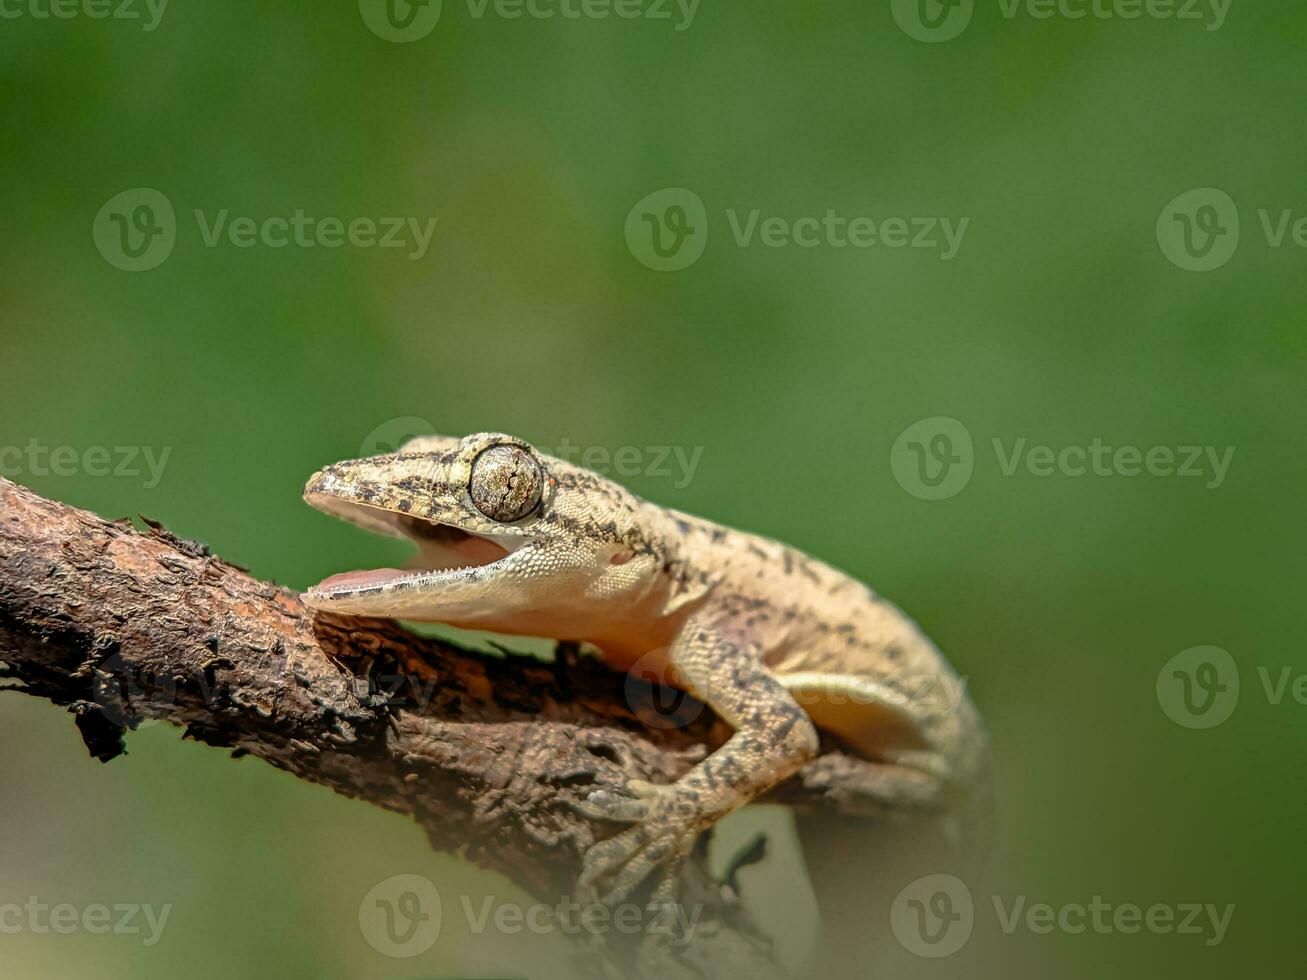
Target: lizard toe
x=662, y=838
x=602, y=858
x=605, y=805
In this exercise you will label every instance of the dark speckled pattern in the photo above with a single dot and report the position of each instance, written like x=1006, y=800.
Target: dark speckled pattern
x=775, y=641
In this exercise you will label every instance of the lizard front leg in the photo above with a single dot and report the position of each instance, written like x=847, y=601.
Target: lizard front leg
x=773, y=738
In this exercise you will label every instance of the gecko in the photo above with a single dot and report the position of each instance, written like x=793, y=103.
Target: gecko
x=778, y=644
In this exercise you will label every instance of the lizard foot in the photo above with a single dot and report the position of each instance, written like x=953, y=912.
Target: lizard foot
x=666, y=822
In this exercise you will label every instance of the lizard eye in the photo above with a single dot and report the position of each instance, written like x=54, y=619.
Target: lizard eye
x=506, y=483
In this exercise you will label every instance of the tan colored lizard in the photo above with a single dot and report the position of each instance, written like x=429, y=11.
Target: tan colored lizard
x=776, y=643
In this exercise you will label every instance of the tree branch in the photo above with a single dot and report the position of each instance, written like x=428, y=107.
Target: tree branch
x=486, y=753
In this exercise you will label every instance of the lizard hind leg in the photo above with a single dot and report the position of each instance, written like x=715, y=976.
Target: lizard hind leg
x=773, y=738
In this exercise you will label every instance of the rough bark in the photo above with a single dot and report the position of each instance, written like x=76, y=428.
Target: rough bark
x=486, y=753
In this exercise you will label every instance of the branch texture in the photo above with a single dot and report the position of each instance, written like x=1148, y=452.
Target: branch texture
x=486, y=753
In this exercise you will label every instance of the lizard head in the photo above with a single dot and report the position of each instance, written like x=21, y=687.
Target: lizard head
x=507, y=538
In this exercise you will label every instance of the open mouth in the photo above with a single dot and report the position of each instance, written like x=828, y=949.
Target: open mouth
x=443, y=550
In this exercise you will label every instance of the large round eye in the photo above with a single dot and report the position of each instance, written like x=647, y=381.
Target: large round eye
x=506, y=483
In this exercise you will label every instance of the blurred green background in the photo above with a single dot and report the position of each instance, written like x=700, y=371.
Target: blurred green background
x=1059, y=320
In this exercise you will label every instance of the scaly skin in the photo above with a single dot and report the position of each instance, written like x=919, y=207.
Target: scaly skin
x=777, y=643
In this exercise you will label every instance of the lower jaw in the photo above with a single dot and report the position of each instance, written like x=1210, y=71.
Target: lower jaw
x=378, y=588
x=361, y=579
x=347, y=583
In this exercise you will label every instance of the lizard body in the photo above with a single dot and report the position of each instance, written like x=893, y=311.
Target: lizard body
x=778, y=643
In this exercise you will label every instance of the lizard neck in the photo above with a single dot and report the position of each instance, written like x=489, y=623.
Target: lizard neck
x=675, y=583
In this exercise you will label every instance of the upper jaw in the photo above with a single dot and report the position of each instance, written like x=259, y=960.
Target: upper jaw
x=368, y=494
x=452, y=545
